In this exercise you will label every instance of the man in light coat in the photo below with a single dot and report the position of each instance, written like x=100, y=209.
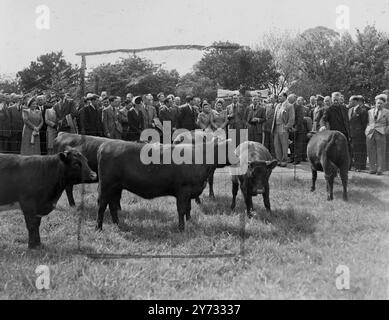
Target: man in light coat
x=282, y=123
x=376, y=132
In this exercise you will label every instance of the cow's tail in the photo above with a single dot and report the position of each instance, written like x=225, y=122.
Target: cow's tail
x=329, y=167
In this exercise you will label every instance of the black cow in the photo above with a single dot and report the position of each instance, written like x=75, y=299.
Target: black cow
x=122, y=166
x=87, y=145
x=199, y=136
x=328, y=151
x=255, y=180
x=37, y=182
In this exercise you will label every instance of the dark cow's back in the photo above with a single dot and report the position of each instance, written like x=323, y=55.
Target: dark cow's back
x=328, y=151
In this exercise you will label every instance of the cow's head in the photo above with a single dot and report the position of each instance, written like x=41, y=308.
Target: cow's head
x=76, y=167
x=258, y=174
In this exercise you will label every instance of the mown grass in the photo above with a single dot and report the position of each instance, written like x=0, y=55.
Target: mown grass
x=293, y=257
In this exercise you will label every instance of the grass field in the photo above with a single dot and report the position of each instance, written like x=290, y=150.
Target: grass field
x=294, y=257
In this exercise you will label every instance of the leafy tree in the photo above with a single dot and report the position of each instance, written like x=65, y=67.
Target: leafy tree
x=49, y=72
x=197, y=85
x=9, y=85
x=135, y=75
x=233, y=66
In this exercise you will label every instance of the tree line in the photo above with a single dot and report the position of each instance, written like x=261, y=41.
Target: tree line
x=318, y=60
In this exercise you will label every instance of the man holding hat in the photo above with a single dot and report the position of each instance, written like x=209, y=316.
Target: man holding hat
x=358, y=118
x=90, y=117
x=376, y=135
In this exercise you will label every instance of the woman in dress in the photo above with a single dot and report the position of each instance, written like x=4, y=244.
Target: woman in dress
x=51, y=133
x=33, y=122
x=219, y=120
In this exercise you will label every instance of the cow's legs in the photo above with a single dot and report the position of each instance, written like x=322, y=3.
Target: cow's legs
x=69, y=194
x=235, y=188
x=248, y=200
x=100, y=214
x=330, y=187
x=114, y=206
x=344, y=178
x=183, y=209
x=266, y=201
x=210, y=183
x=314, y=178
x=33, y=223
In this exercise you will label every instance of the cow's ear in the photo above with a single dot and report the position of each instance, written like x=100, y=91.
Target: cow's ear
x=64, y=156
x=271, y=164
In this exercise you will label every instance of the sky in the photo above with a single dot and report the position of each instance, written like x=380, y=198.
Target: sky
x=96, y=25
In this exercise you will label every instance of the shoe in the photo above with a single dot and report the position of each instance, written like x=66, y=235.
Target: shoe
x=372, y=172
x=379, y=173
x=296, y=163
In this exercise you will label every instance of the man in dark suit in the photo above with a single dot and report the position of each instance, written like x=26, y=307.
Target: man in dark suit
x=135, y=120
x=17, y=124
x=91, y=117
x=5, y=124
x=358, y=117
x=298, y=133
x=187, y=115
x=63, y=109
x=336, y=117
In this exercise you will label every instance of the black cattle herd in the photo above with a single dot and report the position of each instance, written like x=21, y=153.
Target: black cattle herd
x=37, y=182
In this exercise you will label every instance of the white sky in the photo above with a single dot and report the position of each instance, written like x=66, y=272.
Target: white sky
x=94, y=25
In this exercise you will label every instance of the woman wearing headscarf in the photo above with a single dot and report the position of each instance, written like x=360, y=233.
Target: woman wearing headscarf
x=33, y=122
x=219, y=119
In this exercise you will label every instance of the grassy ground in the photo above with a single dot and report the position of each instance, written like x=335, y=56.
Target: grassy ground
x=294, y=257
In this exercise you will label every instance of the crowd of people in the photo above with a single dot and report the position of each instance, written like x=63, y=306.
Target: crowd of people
x=282, y=123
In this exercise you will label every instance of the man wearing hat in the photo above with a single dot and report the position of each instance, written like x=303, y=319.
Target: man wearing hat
x=376, y=132
x=187, y=115
x=358, y=117
x=149, y=112
x=90, y=117
x=135, y=119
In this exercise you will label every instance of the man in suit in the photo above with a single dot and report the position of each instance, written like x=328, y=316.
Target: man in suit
x=358, y=117
x=282, y=123
x=311, y=106
x=318, y=113
x=149, y=112
x=17, y=124
x=268, y=139
x=111, y=127
x=386, y=106
x=237, y=118
x=187, y=115
x=5, y=124
x=298, y=132
x=376, y=135
x=135, y=120
x=159, y=103
x=66, y=112
x=336, y=116
x=90, y=117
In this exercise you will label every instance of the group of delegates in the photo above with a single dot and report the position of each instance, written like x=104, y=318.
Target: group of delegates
x=282, y=123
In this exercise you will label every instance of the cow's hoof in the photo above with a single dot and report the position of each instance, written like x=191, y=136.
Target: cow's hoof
x=250, y=215
x=99, y=228
x=187, y=218
x=198, y=201
x=212, y=196
x=345, y=198
x=35, y=246
x=312, y=189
